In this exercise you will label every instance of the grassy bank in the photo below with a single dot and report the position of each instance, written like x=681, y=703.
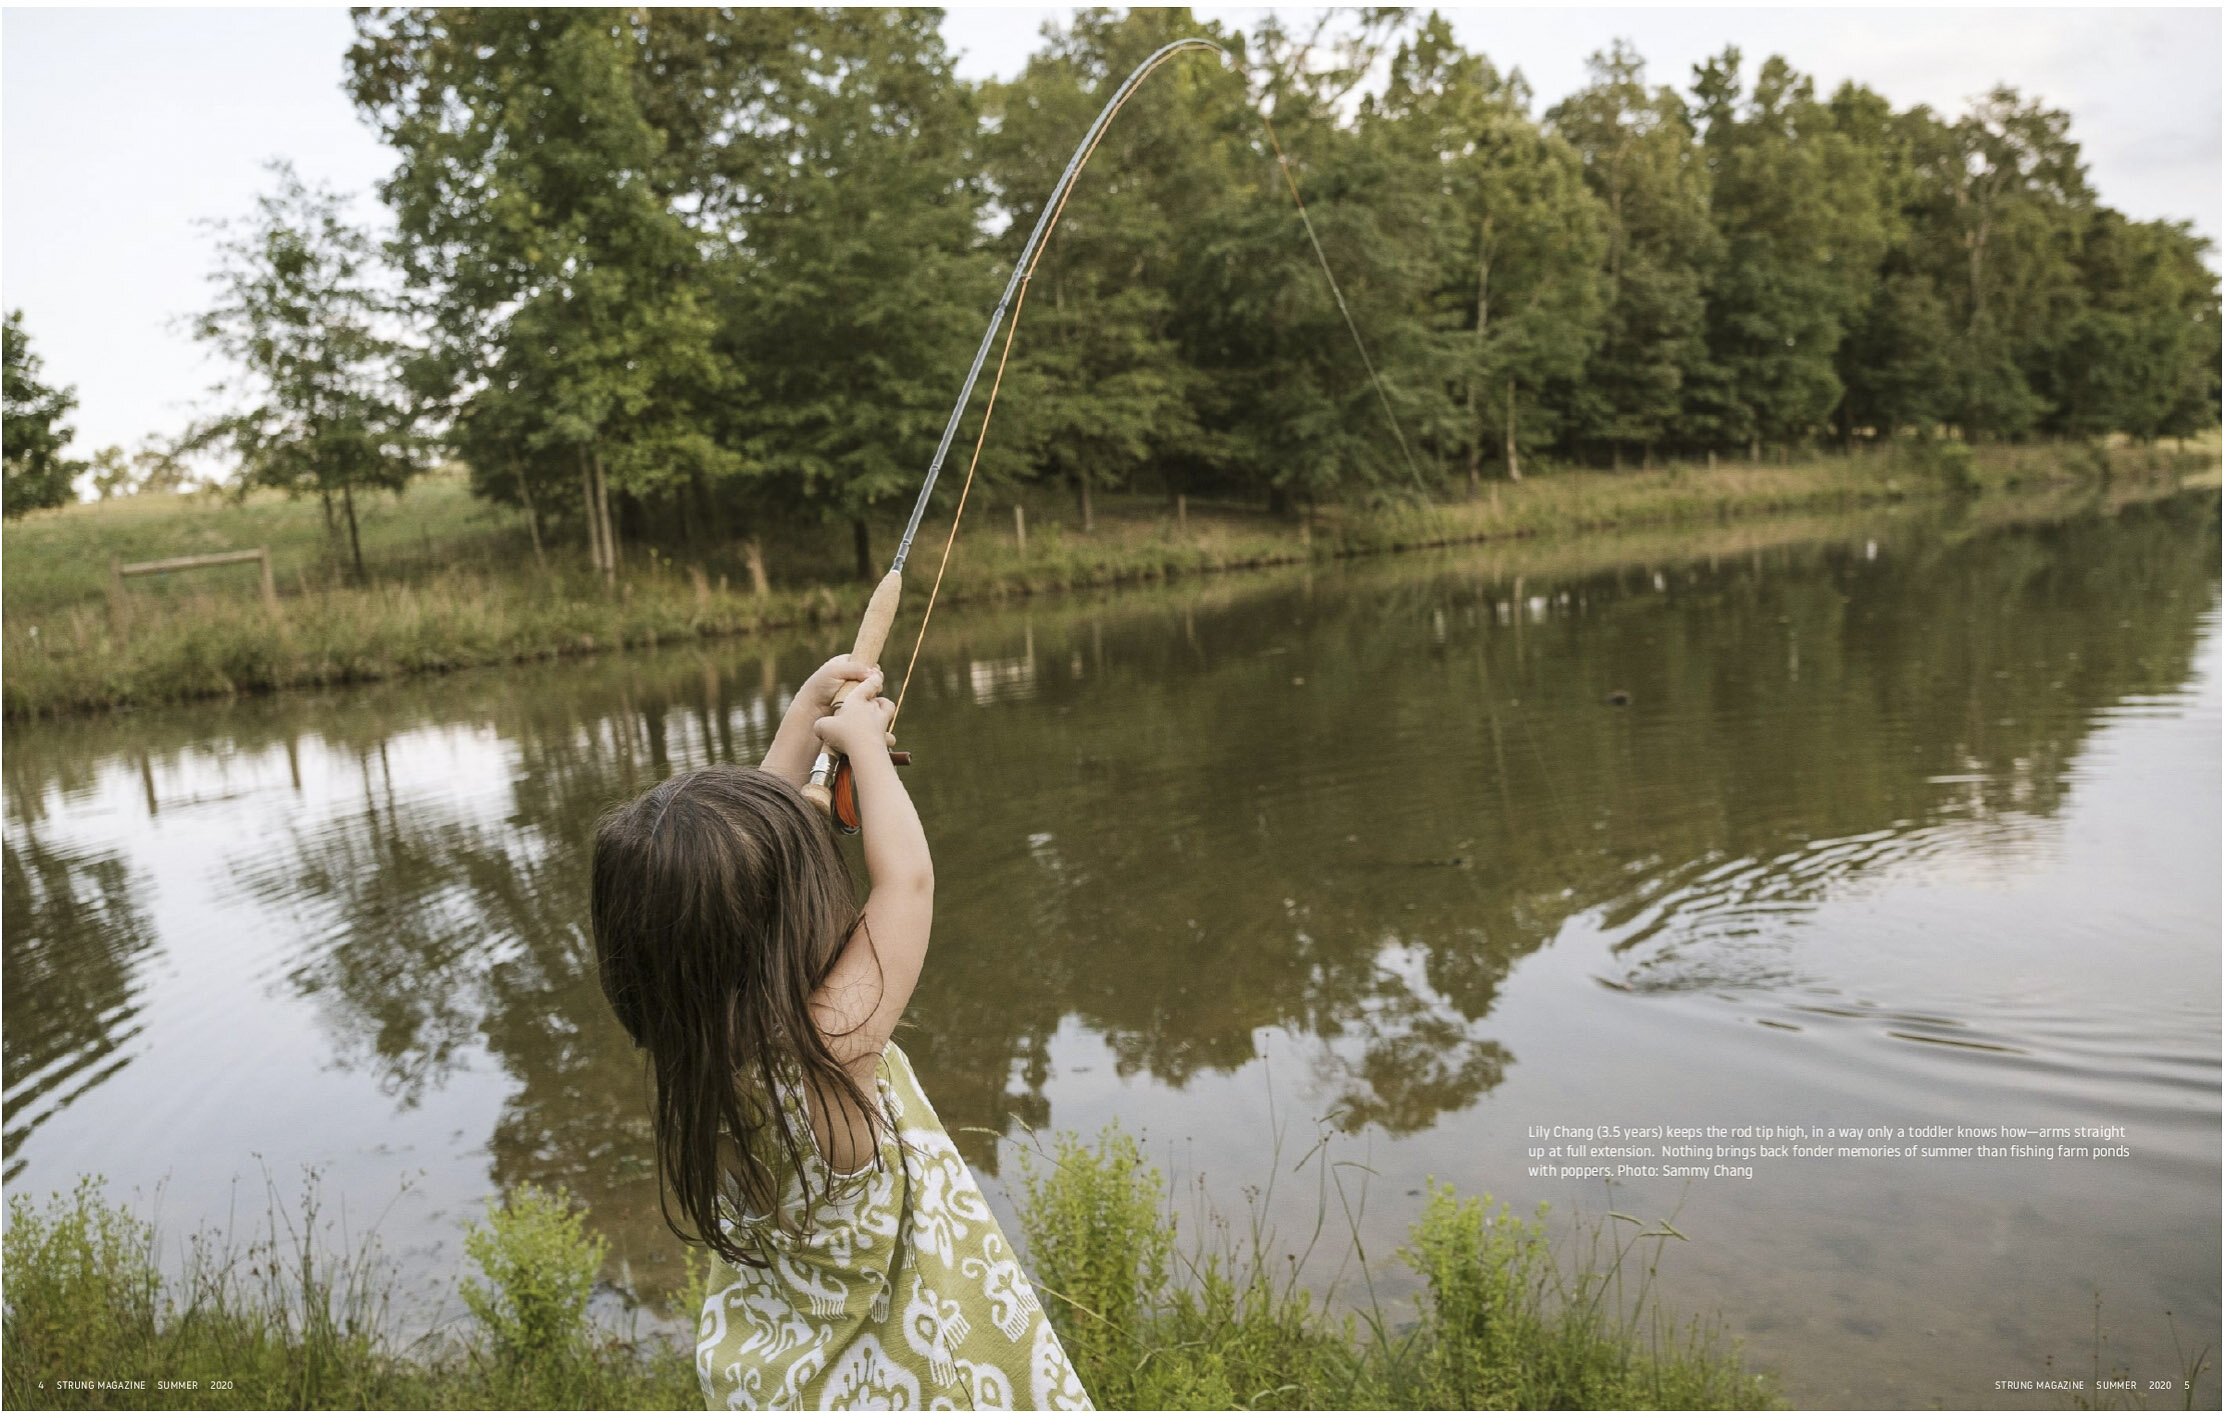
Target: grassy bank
x=1506, y=1318
x=456, y=584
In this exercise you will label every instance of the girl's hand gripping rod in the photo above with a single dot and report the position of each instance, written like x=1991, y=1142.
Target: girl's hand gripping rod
x=872, y=635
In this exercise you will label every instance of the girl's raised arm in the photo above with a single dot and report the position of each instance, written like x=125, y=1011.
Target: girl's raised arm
x=794, y=744
x=871, y=983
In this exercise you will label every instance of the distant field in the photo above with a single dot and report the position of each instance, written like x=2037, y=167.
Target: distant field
x=59, y=558
x=452, y=582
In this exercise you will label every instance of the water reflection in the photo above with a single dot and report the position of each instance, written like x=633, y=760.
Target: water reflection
x=78, y=937
x=1336, y=805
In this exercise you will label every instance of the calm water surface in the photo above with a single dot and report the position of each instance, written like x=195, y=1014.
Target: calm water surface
x=1906, y=823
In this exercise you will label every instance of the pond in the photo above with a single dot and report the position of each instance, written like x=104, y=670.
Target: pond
x=1883, y=823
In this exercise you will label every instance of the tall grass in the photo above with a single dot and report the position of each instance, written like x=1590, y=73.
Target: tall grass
x=289, y=1321
x=476, y=594
x=1507, y=1319
x=1511, y=1312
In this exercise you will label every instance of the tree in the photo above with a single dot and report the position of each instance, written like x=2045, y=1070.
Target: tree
x=2004, y=200
x=300, y=311
x=156, y=467
x=856, y=289
x=1897, y=363
x=1645, y=383
x=1796, y=203
x=1099, y=387
x=112, y=473
x=2139, y=356
x=535, y=202
x=39, y=477
x=1523, y=239
x=1897, y=360
x=1284, y=398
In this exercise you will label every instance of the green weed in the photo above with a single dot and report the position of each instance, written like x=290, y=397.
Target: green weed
x=1503, y=1322
x=294, y=1321
x=539, y=1265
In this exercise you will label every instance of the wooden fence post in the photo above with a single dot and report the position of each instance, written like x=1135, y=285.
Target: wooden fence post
x=270, y=585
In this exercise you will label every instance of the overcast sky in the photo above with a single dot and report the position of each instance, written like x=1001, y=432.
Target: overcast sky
x=121, y=129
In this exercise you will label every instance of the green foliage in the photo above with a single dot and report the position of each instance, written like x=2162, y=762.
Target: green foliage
x=81, y=1281
x=300, y=314
x=697, y=274
x=539, y=1266
x=1099, y=386
x=1523, y=290
x=1647, y=381
x=1505, y=1321
x=706, y=277
x=291, y=1323
x=571, y=330
x=861, y=292
x=1508, y=1324
x=38, y=476
x=1795, y=201
x=1100, y=1250
x=1951, y=465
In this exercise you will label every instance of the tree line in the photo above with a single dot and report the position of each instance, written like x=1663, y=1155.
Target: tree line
x=693, y=275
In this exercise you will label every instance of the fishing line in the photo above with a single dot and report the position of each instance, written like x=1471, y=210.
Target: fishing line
x=1015, y=296
x=1342, y=308
x=1039, y=243
x=963, y=491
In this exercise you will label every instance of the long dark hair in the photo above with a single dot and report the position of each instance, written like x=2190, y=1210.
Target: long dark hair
x=720, y=904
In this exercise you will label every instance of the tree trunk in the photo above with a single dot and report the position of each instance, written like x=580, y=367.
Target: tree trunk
x=1753, y=449
x=752, y=552
x=588, y=512
x=1614, y=456
x=1088, y=512
x=1019, y=525
x=609, y=525
x=355, y=540
x=1513, y=451
x=1475, y=379
x=861, y=538
x=532, y=515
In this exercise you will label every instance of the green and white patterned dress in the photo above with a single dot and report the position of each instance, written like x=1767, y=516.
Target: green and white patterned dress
x=900, y=1293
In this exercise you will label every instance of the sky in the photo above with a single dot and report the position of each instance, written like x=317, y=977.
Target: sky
x=124, y=131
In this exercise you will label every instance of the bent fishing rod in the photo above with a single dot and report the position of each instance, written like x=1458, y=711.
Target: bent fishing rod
x=830, y=786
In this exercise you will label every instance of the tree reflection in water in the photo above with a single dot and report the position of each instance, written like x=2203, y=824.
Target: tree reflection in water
x=77, y=938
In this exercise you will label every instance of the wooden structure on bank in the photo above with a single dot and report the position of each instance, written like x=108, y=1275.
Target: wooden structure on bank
x=118, y=571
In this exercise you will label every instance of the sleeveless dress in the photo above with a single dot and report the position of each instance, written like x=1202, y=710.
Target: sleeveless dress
x=900, y=1293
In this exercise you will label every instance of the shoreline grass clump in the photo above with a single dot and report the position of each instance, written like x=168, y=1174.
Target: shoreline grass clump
x=288, y=1322
x=1505, y=1320
x=479, y=596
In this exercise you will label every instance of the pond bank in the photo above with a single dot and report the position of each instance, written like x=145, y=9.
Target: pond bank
x=68, y=657
x=1507, y=1319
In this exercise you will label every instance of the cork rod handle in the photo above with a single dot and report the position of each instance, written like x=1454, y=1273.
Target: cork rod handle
x=872, y=635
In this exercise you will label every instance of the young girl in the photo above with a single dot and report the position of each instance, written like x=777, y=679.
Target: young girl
x=854, y=1263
